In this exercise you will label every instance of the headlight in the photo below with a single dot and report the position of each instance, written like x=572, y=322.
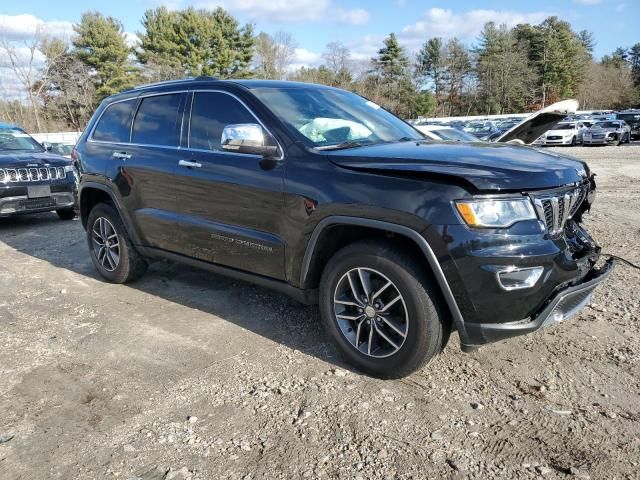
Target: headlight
x=495, y=212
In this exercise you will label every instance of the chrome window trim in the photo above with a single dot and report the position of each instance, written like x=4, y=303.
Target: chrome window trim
x=95, y=125
x=187, y=148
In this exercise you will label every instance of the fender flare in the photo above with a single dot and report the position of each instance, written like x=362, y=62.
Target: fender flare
x=123, y=215
x=422, y=243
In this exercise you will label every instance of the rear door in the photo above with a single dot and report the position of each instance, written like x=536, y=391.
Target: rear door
x=230, y=204
x=146, y=168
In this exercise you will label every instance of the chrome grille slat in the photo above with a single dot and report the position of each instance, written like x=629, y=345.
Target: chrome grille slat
x=31, y=174
x=555, y=209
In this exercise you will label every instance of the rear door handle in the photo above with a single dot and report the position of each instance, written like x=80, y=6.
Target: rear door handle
x=121, y=155
x=188, y=164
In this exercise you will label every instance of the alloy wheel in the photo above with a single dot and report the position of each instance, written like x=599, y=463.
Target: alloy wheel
x=371, y=312
x=106, y=245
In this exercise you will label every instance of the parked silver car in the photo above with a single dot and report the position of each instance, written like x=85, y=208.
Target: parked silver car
x=610, y=132
x=564, y=133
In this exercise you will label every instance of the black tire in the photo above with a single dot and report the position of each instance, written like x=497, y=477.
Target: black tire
x=66, y=214
x=574, y=141
x=619, y=140
x=428, y=326
x=130, y=264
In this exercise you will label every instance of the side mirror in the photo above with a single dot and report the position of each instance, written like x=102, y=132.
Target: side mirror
x=47, y=146
x=248, y=138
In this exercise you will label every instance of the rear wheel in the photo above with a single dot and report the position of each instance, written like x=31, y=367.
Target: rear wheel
x=66, y=214
x=112, y=252
x=382, y=311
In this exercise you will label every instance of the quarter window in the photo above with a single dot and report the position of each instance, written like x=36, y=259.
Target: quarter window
x=211, y=112
x=159, y=120
x=114, y=124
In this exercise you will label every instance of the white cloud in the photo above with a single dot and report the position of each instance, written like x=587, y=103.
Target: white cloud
x=587, y=2
x=285, y=11
x=304, y=58
x=439, y=22
x=24, y=27
x=357, y=16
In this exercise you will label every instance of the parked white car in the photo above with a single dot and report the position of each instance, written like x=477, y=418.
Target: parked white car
x=565, y=133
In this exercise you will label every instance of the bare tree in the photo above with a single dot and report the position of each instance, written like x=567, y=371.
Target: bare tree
x=285, y=49
x=22, y=60
x=273, y=54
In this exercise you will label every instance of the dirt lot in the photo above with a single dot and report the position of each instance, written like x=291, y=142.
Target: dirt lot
x=189, y=375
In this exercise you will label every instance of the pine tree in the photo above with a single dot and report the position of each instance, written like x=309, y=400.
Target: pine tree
x=195, y=42
x=100, y=44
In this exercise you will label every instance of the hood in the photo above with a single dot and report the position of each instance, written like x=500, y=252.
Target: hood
x=480, y=166
x=530, y=129
x=31, y=159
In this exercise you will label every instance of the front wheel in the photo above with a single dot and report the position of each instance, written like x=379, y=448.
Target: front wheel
x=382, y=311
x=111, y=249
x=573, y=141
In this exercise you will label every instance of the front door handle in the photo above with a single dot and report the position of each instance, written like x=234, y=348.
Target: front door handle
x=188, y=164
x=121, y=155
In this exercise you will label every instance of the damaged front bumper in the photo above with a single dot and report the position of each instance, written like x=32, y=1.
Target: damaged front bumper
x=561, y=306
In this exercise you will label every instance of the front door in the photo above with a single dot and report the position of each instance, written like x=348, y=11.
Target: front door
x=229, y=204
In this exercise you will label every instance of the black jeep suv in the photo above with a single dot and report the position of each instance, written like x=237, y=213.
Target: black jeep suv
x=323, y=195
x=33, y=180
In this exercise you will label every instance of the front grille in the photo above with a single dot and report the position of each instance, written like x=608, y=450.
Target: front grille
x=9, y=175
x=554, y=137
x=598, y=136
x=555, y=209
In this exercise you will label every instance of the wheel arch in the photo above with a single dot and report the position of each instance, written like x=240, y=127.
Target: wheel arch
x=323, y=242
x=92, y=193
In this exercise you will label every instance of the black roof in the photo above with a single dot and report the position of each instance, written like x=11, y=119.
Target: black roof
x=247, y=83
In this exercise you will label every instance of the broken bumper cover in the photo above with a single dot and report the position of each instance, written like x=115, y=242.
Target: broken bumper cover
x=561, y=306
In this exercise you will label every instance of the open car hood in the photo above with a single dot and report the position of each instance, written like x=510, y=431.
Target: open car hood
x=539, y=122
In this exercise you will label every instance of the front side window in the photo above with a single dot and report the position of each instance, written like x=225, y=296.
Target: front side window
x=211, y=112
x=326, y=117
x=159, y=120
x=16, y=140
x=115, y=123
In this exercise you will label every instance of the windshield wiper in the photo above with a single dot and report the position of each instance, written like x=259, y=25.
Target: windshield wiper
x=343, y=145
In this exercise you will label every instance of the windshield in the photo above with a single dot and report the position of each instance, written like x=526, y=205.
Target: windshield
x=15, y=140
x=606, y=125
x=327, y=117
x=453, y=134
x=61, y=148
x=565, y=126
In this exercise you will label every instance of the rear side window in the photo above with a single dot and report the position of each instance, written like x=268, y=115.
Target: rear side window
x=211, y=112
x=114, y=124
x=159, y=120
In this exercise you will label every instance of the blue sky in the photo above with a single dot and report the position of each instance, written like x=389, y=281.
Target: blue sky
x=359, y=24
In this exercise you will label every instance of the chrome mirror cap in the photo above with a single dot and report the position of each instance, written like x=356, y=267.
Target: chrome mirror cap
x=249, y=138
x=235, y=137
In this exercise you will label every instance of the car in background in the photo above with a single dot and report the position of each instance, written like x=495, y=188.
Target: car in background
x=32, y=179
x=610, y=132
x=632, y=118
x=480, y=129
x=443, y=132
x=59, y=148
x=565, y=133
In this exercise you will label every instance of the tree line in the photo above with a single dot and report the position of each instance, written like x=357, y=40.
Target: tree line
x=508, y=70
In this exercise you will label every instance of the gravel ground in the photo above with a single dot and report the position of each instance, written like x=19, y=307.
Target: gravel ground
x=185, y=374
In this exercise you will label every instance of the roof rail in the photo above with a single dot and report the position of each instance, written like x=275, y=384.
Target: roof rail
x=171, y=82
